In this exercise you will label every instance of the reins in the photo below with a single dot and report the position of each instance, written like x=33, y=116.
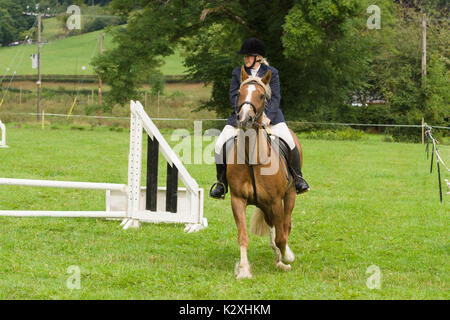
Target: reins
x=252, y=166
x=267, y=94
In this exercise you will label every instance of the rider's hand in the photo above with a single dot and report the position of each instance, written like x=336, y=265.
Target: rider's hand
x=265, y=120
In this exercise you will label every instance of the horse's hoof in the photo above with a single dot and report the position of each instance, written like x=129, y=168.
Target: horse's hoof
x=282, y=266
x=242, y=272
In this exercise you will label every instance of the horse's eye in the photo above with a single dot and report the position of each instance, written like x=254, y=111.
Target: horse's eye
x=261, y=96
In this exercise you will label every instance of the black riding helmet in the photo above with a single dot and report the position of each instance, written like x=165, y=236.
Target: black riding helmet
x=253, y=47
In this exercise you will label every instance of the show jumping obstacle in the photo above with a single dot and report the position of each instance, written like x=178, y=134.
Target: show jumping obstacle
x=3, y=135
x=131, y=202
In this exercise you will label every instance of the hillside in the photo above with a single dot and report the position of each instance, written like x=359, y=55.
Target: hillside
x=66, y=56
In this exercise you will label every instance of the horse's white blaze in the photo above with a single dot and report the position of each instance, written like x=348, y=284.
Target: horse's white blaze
x=246, y=107
x=250, y=90
x=245, y=110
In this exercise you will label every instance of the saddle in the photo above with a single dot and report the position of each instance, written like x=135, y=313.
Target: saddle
x=277, y=144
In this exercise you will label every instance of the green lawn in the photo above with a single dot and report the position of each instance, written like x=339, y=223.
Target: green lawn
x=67, y=56
x=52, y=29
x=371, y=203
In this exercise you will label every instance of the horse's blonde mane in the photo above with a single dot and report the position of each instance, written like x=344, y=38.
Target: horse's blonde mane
x=259, y=81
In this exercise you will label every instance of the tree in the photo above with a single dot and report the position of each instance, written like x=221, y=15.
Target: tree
x=12, y=22
x=396, y=68
x=7, y=32
x=210, y=32
x=323, y=50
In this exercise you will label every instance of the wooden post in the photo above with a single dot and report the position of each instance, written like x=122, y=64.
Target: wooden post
x=100, y=84
x=424, y=48
x=171, y=188
x=20, y=94
x=39, y=82
x=145, y=99
x=152, y=174
x=158, y=103
x=423, y=131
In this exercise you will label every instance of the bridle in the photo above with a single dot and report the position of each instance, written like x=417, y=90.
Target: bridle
x=257, y=114
x=254, y=60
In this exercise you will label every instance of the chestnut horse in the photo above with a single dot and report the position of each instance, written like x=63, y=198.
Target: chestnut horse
x=264, y=183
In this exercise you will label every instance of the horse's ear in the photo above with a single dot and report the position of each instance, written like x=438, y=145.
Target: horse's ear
x=266, y=78
x=244, y=75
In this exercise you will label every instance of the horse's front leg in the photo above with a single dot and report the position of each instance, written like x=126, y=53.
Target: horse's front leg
x=278, y=238
x=238, y=205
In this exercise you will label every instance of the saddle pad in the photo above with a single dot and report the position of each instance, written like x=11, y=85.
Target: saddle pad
x=282, y=146
x=278, y=145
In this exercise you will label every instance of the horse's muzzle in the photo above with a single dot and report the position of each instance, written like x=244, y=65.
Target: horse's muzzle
x=246, y=123
x=245, y=119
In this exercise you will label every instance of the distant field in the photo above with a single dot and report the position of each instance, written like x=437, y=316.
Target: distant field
x=371, y=203
x=66, y=56
x=179, y=100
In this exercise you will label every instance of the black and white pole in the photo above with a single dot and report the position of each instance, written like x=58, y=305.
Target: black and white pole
x=152, y=179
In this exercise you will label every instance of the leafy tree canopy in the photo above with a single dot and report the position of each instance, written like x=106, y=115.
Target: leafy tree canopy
x=311, y=43
x=323, y=49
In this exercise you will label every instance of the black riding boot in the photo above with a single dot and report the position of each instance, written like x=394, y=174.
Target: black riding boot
x=221, y=186
x=294, y=162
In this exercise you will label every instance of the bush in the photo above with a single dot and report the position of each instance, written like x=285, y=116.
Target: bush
x=346, y=134
x=92, y=109
x=157, y=83
x=100, y=23
x=96, y=24
x=402, y=134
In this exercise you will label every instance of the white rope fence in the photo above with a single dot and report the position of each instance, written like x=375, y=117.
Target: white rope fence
x=425, y=126
x=434, y=152
x=219, y=119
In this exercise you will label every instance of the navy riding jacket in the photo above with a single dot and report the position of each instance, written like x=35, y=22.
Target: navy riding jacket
x=273, y=112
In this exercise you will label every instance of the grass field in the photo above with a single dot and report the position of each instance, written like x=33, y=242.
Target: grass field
x=67, y=56
x=371, y=203
x=177, y=101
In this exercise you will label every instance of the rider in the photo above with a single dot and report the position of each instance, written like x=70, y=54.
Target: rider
x=255, y=65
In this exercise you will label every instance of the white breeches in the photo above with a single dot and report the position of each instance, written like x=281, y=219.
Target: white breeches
x=280, y=130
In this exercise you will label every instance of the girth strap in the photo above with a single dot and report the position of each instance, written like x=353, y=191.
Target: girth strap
x=252, y=174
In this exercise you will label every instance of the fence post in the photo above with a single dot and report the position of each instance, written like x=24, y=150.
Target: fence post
x=423, y=132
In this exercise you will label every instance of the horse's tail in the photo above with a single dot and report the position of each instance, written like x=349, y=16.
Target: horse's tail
x=258, y=225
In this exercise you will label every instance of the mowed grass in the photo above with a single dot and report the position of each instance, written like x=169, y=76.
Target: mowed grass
x=68, y=56
x=371, y=203
x=64, y=56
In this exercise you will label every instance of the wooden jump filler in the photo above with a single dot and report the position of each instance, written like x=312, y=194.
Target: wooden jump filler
x=132, y=202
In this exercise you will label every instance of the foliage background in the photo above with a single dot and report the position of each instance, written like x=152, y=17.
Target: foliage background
x=330, y=63
x=326, y=55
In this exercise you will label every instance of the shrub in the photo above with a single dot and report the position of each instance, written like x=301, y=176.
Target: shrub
x=92, y=109
x=157, y=83
x=345, y=134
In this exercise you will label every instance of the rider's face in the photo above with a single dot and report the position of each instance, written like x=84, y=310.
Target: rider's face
x=248, y=60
